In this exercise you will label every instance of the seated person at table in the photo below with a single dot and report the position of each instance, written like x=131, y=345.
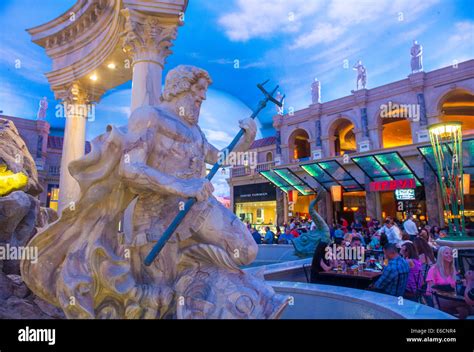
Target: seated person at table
x=443, y=273
x=256, y=236
x=320, y=263
x=348, y=238
x=286, y=237
x=355, y=243
x=358, y=235
x=425, y=252
x=338, y=233
x=415, y=276
x=469, y=291
x=295, y=233
x=393, y=280
x=268, y=239
x=375, y=241
x=405, y=239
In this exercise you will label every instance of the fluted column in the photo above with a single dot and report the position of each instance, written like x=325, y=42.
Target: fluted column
x=75, y=102
x=147, y=39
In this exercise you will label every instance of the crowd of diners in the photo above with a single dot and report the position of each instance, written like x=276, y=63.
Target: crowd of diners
x=281, y=234
x=413, y=265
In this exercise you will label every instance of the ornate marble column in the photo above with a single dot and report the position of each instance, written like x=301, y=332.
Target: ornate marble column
x=147, y=39
x=76, y=107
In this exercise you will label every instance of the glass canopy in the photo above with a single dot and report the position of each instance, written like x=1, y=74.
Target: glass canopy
x=385, y=167
x=295, y=181
x=277, y=180
x=331, y=173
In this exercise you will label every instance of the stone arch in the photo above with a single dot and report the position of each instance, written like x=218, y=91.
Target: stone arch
x=395, y=129
x=342, y=136
x=299, y=147
x=457, y=104
x=268, y=157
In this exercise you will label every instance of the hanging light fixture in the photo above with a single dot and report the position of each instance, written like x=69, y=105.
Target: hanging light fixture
x=466, y=183
x=336, y=193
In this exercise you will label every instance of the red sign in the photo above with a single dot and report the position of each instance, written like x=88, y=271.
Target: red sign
x=381, y=186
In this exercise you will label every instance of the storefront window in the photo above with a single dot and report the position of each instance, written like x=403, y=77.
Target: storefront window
x=258, y=214
x=53, y=197
x=256, y=204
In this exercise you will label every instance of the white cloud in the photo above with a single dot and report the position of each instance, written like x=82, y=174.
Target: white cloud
x=264, y=18
x=356, y=11
x=24, y=62
x=323, y=33
x=458, y=44
x=464, y=33
x=217, y=136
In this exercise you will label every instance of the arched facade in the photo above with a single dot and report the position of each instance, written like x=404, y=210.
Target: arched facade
x=342, y=137
x=299, y=146
x=457, y=105
x=395, y=120
x=269, y=157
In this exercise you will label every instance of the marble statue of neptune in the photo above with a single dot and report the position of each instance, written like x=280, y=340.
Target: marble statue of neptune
x=158, y=161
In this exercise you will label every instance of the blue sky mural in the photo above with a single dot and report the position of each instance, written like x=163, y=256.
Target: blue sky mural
x=243, y=42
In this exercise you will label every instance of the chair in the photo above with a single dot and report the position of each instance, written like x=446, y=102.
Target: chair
x=437, y=296
x=465, y=260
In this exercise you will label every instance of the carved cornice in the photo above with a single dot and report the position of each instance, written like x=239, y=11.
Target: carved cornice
x=147, y=38
x=78, y=26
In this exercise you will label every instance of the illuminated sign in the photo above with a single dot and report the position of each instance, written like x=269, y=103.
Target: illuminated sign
x=382, y=186
x=405, y=194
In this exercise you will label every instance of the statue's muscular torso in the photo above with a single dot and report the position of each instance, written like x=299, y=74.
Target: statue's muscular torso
x=174, y=148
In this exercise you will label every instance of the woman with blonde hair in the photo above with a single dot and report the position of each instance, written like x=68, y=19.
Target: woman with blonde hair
x=443, y=273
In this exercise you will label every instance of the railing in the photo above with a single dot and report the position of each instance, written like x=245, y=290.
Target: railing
x=239, y=171
x=54, y=170
x=265, y=166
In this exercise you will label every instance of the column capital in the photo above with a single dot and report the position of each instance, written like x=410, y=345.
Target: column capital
x=148, y=38
x=77, y=93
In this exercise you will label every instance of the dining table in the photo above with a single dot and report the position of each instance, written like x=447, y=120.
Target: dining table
x=360, y=279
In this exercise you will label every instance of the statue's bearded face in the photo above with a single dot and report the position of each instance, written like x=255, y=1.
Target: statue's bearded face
x=190, y=102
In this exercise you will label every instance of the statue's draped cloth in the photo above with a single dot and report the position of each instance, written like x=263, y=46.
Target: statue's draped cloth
x=78, y=248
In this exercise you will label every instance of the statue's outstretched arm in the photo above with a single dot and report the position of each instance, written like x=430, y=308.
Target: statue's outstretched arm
x=142, y=178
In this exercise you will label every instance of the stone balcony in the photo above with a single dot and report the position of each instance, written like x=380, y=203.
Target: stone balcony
x=240, y=171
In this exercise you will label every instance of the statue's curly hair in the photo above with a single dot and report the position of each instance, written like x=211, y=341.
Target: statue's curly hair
x=181, y=79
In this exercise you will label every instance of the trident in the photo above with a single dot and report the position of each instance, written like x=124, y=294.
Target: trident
x=191, y=201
